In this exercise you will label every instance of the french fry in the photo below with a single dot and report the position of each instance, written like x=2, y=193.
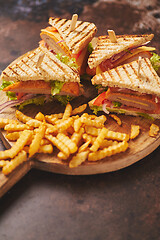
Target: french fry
x=109, y=151
x=117, y=136
x=37, y=140
x=11, y=127
x=40, y=116
x=135, y=130
x=6, y=121
x=61, y=146
x=99, y=140
x=16, y=161
x=44, y=141
x=65, y=124
x=92, y=130
x=62, y=156
x=88, y=137
x=3, y=163
x=77, y=124
x=68, y=142
x=109, y=134
x=105, y=142
x=77, y=136
x=78, y=159
x=52, y=129
x=18, y=146
x=117, y=119
x=153, y=131
x=79, y=109
x=51, y=119
x=92, y=123
x=67, y=112
x=13, y=136
x=34, y=123
x=48, y=148
x=22, y=117
x=84, y=146
x=101, y=119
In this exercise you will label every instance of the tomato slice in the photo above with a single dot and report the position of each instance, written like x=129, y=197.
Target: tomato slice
x=76, y=56
x=100, y=99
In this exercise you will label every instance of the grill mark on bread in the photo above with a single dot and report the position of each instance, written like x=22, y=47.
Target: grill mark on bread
x=106, y=49
x=148, y=82
x=74, y=39
x=24, y=68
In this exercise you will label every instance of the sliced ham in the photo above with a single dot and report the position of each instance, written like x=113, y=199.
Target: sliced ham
x=129, y=99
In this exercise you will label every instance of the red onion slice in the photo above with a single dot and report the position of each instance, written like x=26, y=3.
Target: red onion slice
x=60, y=41
x=104, y=108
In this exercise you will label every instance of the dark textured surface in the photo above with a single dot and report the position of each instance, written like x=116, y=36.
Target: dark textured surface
x=123, y=205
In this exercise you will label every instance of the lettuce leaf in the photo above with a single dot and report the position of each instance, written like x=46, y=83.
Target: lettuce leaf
x=116, y=104
x=155, y=60
x=10, y=95
x=90, y=47
x=36, y=101
x=70, y=62
x=64, y=99
x=56, y=87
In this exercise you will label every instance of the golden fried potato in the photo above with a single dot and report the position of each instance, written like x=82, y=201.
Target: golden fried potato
x=22, y=117
x=109, y=151
x=78, y=159
x=18, y=146
x=79, y=109
x=116, y=118
x=153, y=131
x=35, y=144
x=135, y=130
x=16, y=161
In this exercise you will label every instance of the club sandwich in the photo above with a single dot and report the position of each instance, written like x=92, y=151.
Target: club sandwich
x=64, y=39
x=40, y=73
x=131, y=89
x=110, y=52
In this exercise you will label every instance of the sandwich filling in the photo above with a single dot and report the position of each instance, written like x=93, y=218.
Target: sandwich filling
x=126, y=57
x=54, y=42
x=125, y=99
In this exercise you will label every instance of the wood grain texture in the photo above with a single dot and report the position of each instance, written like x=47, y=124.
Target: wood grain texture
x=138, y=148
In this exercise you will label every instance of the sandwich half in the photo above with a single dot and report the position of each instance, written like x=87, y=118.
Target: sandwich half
x=126, y=90
x=25, y=80
x=59, y=38
x=127, y=48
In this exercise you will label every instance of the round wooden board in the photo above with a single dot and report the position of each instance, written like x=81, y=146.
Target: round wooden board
x=138, y=148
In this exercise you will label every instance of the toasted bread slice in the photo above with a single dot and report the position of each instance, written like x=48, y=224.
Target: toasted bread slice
x=126, y=76
x=77, y=39
x=24, y=68
x=106, y=49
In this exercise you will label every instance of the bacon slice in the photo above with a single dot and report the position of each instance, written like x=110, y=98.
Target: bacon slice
x=42, y=87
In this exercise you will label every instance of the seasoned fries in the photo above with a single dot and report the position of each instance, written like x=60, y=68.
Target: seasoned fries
x=78, y=138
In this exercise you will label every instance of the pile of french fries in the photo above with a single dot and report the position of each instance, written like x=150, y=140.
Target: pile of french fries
x=78, y=136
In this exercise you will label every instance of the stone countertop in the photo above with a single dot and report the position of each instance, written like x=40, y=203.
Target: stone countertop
x=122, y=205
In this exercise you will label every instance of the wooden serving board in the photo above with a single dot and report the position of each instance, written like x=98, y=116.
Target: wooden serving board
x=138, y=148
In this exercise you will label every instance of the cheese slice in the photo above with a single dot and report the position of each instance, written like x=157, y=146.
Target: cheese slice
x=134, y=52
